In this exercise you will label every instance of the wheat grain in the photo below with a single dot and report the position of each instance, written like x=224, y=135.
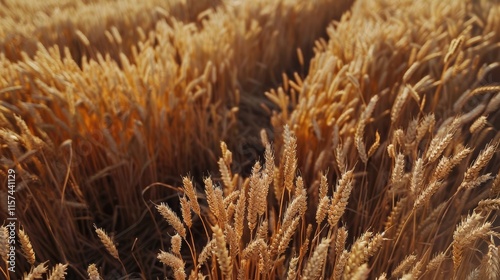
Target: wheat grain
x=82, y=38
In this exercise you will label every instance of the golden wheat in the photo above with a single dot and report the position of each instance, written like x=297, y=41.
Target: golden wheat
x=383, y=122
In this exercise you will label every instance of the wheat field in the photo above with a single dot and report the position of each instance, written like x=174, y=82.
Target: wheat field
x=236, y=139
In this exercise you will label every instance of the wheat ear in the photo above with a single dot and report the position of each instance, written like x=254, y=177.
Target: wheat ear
x=221, y=252
x=26, y=247
x=93, y=272
x=292, y=269
x=4, y=242
x=490, y=265
x=340, y=198
x=58, y=272
x=315, y=264
x=191, y=193
x=107, y=242
x=37, y=272
x=171, y=217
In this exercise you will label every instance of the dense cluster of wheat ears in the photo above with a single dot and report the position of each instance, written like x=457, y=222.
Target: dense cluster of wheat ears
x=235, y=139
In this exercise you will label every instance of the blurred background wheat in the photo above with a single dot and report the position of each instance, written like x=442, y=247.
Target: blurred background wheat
x=252, y=139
